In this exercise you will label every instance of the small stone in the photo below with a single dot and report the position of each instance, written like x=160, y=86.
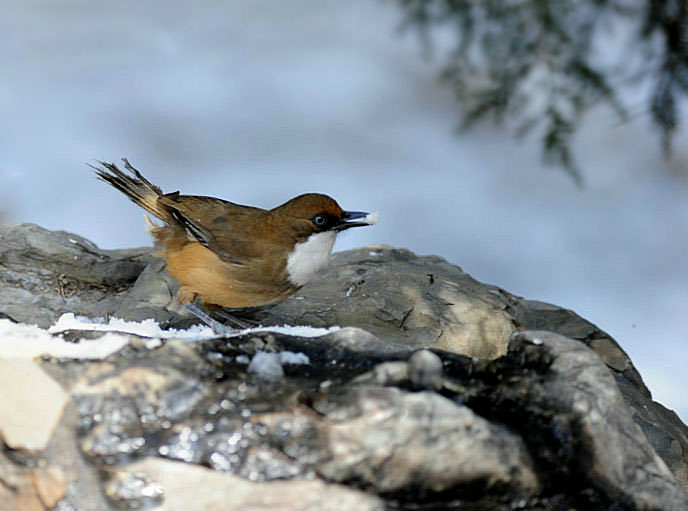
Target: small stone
x=390, y=373
x=610, y=353
x=425, y=369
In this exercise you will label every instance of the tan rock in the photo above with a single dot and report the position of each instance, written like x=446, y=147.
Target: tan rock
x=50, y=485
x=188, y=486
x=610, y=353
x=134, y=381
x=473, y=327
x=392, y=440
x=30, y=406
x=23, y=489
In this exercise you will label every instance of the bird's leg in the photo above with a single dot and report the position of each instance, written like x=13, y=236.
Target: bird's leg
x=205, y=317
x=230, y=318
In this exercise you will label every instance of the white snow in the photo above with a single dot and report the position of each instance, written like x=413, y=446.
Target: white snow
x=145, y=328
x=289, y=357
x=151, y=328
x=19, y=340
x=372, y=218
x=29, y=341
x=295, y=330
x=266, y=366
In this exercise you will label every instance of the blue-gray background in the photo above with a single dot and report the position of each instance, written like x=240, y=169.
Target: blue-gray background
x=257, y=101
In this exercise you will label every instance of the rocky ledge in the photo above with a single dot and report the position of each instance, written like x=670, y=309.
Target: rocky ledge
x=437, y=392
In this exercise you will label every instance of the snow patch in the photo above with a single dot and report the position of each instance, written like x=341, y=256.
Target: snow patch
x=29, y=341
x=145, y=328
x=266, y=366
x=23, y=341
x=151, y=328
x=295, y=330
x=289, y=357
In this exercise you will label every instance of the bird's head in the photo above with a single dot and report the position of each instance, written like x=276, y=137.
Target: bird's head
x=313, y=221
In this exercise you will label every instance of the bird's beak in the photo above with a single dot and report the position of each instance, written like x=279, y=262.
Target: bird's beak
x=356, y=219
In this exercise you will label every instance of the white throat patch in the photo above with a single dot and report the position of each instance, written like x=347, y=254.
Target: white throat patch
x=310, y=256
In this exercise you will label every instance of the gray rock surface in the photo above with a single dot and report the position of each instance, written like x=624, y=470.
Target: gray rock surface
x=438, y=393
x=46, y=273
x=581, y=388
x=396, y=440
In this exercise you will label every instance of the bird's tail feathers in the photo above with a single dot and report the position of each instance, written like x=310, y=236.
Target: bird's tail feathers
x=139, y=190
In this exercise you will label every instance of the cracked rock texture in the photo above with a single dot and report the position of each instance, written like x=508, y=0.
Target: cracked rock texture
x=440, y=393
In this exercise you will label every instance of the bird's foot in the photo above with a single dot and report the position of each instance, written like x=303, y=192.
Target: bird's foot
x=217, y=327
x=230, y=318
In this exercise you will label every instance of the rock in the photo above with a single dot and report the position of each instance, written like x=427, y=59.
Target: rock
x=219, y=491
x=522, y=428
x=133, y=490
x=387, y=373
x=534, y=315
x=31, y=405
x=393, y=294
x=404, y=299
x=37, y=489
x=425, y=370
x=621, y=461
x=50, y=485
x=153, y=295
x=435, y=393
x=394, y=440
x=45, y=273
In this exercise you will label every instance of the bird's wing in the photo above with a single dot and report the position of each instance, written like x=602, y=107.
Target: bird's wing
x=218, y=225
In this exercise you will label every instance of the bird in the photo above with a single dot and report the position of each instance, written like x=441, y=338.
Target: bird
x=230, y=255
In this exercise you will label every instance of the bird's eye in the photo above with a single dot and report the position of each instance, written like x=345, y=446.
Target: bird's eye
x=320, y=220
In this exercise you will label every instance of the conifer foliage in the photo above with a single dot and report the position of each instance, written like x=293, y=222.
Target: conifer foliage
x=539, y=65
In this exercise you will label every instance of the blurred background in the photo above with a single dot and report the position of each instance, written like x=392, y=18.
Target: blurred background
x=257, y=101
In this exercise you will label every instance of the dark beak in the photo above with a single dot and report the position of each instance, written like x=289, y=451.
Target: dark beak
x=349, y=220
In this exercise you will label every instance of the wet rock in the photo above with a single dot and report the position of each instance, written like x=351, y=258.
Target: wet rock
x=133, y=490
x=394, y=440
x=31, y=405
x=38, y=489
x=578, y=400
x=376, y=412
x=512, y=430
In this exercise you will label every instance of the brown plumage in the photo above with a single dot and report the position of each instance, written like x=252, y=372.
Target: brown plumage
x=231, y=255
